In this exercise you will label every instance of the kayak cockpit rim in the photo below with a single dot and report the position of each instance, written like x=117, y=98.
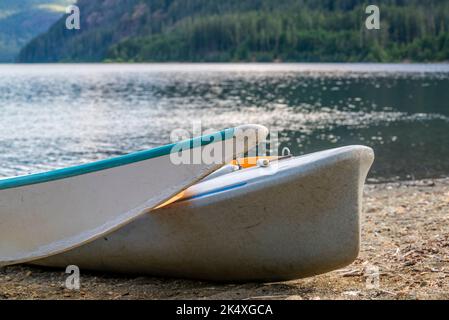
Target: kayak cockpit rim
x=19, y=181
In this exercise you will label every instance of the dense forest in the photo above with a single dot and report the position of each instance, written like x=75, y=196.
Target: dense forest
x=247, y=30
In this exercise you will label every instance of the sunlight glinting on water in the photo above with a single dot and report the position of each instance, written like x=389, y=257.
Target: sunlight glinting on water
x=55, y=116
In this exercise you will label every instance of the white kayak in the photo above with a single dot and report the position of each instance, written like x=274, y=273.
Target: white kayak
x=47, y=213
x=296, y=217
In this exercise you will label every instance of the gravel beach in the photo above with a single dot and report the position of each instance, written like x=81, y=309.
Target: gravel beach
x=404, y=255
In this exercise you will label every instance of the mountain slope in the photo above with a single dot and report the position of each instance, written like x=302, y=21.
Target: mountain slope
x=247, y=30
x=20, y=21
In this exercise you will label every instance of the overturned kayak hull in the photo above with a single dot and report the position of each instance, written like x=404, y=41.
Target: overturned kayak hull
x=295, y=218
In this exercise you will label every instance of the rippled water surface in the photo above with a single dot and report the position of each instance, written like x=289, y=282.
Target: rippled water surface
x=52, y=116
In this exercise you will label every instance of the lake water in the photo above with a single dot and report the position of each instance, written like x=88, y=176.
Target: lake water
x=52, y=116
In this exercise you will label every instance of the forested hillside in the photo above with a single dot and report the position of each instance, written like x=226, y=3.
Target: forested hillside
x=247, y=30
x=20, y=21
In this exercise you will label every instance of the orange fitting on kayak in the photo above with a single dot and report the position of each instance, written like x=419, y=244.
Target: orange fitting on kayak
x=171, y=200
x=249, y=162
x=243, y=163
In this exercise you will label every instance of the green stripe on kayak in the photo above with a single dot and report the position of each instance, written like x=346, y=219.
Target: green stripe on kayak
x=58, y=174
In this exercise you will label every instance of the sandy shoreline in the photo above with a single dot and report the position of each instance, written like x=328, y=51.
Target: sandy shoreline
x=405, y=237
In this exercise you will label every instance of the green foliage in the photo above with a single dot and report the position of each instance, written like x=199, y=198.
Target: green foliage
x=248, y=30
